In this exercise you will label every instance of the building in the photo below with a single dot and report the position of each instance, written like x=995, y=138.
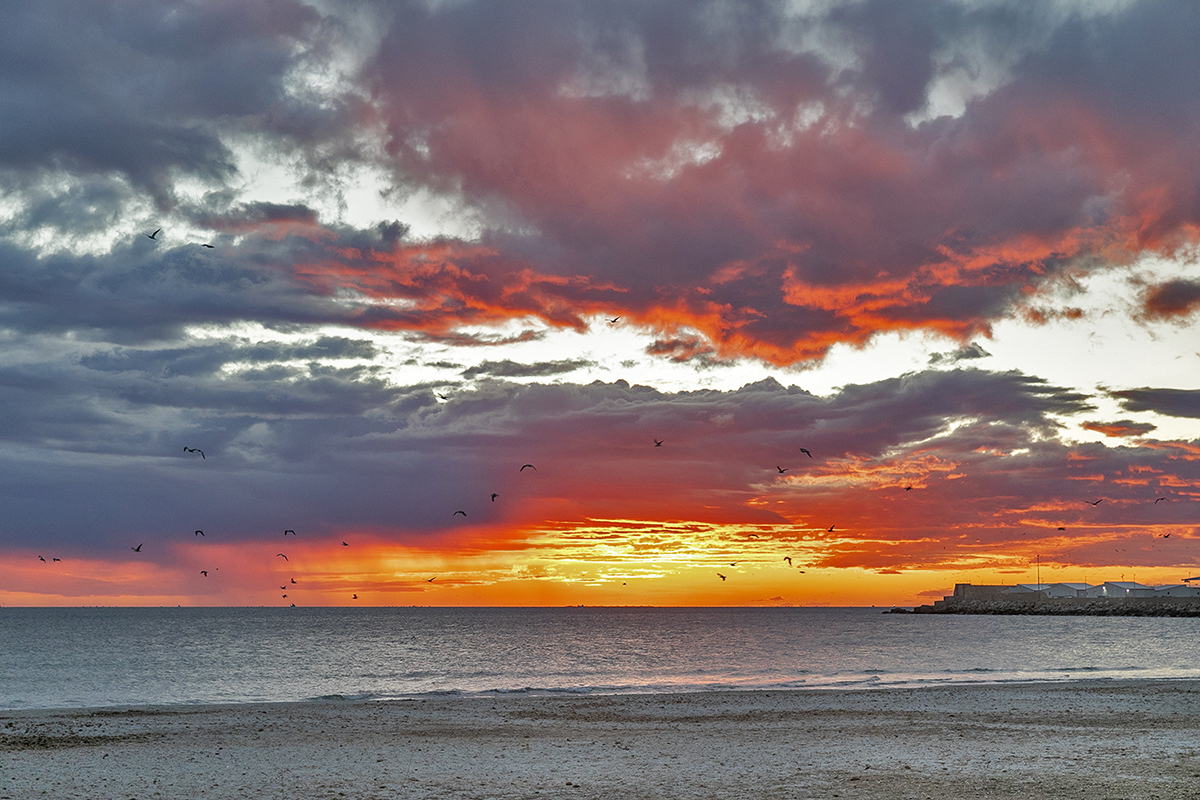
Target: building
x=1121, y=589
x=1068, y=590
x=1177, y=590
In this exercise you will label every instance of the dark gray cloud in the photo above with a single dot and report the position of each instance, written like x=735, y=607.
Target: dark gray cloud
x=967, y=352
x=540, y=369
x=1173, y=299
x=1171, y=402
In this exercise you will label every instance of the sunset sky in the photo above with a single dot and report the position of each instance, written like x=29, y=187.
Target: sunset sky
x=947, y=247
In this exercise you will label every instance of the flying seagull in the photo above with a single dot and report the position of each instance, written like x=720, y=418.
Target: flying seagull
x=908, y=488
x=613, y=321
x=154, y=235
x=42, y=559
x=137, y=549
x=430, y=580
x=345, y=544
x=733, y=563
x=59, y=559
x=441, y=396
x=658, y=442
x=459, y=512
x=527, y=466
x=1062, y=529
x=209, y=246
x=753, y=536
x=788, y=559
x=289, y=530
x=194, y=450
x=781, y=469
x=1157, y=501
x=1165, y=536
x=293, y=580
x=719, y=575
x=830, y=529
x=281, y=555
x=494, y=496
x=198, y=533
x=283, y=587
x=802, y=450
x=355, y=597
x=204, y=572
x=1098, y=502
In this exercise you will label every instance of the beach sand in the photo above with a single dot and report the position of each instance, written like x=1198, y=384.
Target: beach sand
x=1099, y=739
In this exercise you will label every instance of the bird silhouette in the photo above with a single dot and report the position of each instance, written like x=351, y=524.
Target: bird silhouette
x=355, y=597
x=441, y=396
x=1062, y=529
x=283, y=587
x=1165, y=536
x=293, y=580
x=430, y=580
x=829, y=529
x=1098, y=502
x=802, y=450
x=719, y=575
x=658, y=442
x=345, y=544
x=459, y=512
x=752, y=536
x=908, y=488
x=613, y=321
x=289, y=530
x=281, y=555
x=198, y=533
x=194, y=450
x=494, y=496
x=42, y=559
x=204, y=572
x=527, y=466
x=780, y=469
x=59, y=559
x=137, y=549
x=733, y=563
x=209, y=246
x=788, y=559
x=154, y=235
x=1156, y=502
x=285, y=597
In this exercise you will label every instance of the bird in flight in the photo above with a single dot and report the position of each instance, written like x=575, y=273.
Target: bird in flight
x=154, y=235
x=355, y=597
x=613, y=321
x=281, y=555
x=1098, y=502
x=59, y=559
x=345, y=544
x=1062, y=529
x=802, y=450
x=441, y=396
x=430, y=580
x=494, y=496
x=753, y=536
x=198, y=533
x=1156, y=502
x=733, y=563
x=788, y=559
x=194, y=450
x=781, y=469
x=658, y=442
x=209, y=246
x=283, y=587
x=1165, y=536
x=293, y=580
x=204, y=572
x=459, y=512
x=527, y=466
x=289, y=530
x=908, y=488
x=719, y=575
x=137, y=549
x=829, y=529
x=42, y=559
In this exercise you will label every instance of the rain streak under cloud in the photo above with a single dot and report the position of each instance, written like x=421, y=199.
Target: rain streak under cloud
x=404, y=249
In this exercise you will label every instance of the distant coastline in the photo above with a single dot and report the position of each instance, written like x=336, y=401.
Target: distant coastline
x=1111, y=599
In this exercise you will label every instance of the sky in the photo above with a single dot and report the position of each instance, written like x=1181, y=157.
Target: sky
x=826, y=302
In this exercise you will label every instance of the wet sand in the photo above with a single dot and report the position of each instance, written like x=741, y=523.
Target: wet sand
x=1101, y=739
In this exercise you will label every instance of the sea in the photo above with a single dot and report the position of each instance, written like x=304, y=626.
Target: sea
x=102, y=657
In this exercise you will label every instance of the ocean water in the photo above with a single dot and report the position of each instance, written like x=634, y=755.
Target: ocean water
x=87, y=657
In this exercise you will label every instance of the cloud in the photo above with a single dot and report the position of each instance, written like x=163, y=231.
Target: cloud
x=1171, y=402
x=1120, y=428
x=1172, y=299
x=964, y=353
x=541, y=369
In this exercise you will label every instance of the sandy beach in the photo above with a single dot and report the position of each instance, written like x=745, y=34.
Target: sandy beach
x=1100, y=739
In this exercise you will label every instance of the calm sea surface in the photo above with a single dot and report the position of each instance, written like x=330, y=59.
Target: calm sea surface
x=58, y=658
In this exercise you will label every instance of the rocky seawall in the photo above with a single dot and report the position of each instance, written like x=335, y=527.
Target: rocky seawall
x=1076, y=607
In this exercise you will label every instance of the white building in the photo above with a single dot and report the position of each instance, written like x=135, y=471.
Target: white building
x=1068, y=590
x=1025, y=588
x=1177, y=590
x=1121, y=589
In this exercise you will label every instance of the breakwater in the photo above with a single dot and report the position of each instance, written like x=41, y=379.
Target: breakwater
x=1039, y=605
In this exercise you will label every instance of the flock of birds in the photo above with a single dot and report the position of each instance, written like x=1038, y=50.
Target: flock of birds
x=657, y=443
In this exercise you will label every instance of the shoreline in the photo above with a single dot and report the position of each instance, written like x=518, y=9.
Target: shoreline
x=1093, y=737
